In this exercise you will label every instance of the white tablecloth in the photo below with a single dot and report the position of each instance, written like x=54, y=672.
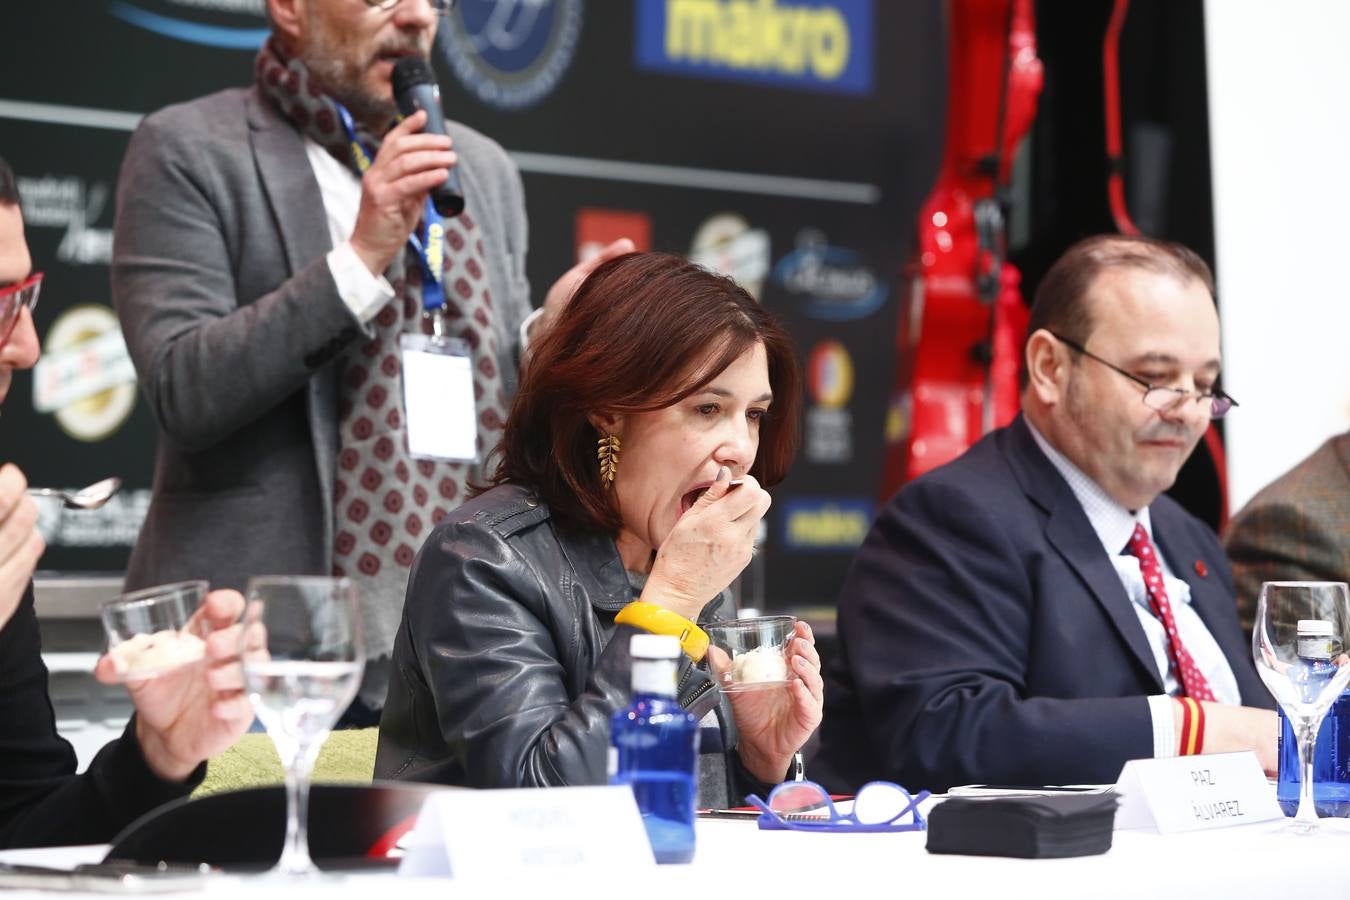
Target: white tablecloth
x=1246, y=861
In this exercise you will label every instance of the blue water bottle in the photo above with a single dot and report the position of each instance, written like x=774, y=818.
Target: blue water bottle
x=654, y=748
x=1331, y=751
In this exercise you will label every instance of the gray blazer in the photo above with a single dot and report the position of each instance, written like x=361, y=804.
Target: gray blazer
x=234, y=322
x=1297, y=528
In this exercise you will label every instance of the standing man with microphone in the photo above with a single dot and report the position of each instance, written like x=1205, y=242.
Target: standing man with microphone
x=277, y=258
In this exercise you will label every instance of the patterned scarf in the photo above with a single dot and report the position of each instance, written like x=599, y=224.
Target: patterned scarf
x=385, y=501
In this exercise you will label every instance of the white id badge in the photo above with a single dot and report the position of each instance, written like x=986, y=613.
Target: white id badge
x=438, y=404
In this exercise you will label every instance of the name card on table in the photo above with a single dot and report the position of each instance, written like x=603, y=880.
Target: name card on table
x=1191, y=793
x=470, y=833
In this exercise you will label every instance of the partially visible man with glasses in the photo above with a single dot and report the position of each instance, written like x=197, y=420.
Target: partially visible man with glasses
x=181, y=719
x=274, y=245
x=20, y=543
x=1038, y=611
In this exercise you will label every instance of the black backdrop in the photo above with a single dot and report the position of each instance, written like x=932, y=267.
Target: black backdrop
x=820, y=178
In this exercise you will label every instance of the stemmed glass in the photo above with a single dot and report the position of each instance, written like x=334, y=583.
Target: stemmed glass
x=301, y=647
x=1304, y=680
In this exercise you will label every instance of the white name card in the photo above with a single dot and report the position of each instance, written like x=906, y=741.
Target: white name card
x=1191, y=793
x=468, y=833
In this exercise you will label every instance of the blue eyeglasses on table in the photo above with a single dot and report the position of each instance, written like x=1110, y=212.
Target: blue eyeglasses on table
x=806, y=806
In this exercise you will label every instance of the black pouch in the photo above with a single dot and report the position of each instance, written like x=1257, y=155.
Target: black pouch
x=1025, y=827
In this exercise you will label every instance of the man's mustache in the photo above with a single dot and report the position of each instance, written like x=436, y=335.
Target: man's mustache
x=1166, y=431
x=411, y=47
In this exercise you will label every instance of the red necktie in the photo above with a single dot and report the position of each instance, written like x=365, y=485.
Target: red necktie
x=1193, y=684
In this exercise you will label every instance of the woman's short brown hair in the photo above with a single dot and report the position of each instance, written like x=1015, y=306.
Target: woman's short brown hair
x=632, y=340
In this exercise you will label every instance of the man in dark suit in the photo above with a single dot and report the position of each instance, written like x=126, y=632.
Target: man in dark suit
x=182, y=718
x=1031, y=612
x=264, y=277
x=1297, y=528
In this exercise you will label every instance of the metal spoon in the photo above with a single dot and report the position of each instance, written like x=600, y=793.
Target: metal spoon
x=91, y=497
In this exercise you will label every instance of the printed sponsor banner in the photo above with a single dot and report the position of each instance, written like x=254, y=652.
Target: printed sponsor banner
x=816, y=45
x=810, y=205
x=77, y=417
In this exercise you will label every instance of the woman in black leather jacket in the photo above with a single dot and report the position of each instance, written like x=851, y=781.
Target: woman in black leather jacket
x=509, y=661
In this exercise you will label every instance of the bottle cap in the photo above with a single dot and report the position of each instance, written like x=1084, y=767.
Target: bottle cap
x=654, y=646
x=1314, y=628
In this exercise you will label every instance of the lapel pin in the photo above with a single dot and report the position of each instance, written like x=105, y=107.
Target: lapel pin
x=1201, y=569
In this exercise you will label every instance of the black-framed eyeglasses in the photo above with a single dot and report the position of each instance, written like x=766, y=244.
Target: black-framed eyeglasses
x=441, y=7
x=12, y=301
x=1156, y=397
x=806, y=806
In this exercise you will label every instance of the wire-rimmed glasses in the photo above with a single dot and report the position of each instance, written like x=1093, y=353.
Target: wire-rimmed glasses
x=1157, y=397
x=806, y=806
x=441, y=7
x=12, y=301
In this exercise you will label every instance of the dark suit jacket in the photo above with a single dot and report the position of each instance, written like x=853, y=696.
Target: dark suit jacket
x=1297, y=528
x=986, y=638
x=42, y=801
x=233, y=321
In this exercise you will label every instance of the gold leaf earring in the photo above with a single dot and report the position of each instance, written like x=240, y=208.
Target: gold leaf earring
x=607, y=451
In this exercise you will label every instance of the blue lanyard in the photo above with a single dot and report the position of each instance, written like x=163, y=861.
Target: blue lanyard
x=429, y=245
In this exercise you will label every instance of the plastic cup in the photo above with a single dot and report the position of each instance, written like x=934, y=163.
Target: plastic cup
x=151, y=631
x=751, y=654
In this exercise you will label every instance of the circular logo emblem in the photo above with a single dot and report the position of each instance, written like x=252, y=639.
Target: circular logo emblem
x=829, y=375
x=726, y=243
x=84, y=378
x=511, y=53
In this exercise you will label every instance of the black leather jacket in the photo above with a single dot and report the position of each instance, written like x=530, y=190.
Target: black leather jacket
x=508, y=664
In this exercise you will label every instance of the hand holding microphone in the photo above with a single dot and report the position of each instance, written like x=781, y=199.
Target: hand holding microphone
x=412, y=162
x=415, y=88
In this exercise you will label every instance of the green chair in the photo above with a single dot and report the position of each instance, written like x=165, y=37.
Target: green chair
x=347, y=757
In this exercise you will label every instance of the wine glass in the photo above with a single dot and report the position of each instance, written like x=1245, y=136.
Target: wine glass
x=302, y=654
x=1305, y=674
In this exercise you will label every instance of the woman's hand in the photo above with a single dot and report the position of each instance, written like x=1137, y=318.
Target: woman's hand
x=708, y=547
x=773, y=724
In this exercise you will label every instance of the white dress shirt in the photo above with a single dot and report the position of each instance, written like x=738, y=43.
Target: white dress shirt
x=1114, y=524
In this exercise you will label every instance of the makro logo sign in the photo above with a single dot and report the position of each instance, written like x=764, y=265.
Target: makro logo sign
x=820, y=45
x=231, y=24
x=818, y=523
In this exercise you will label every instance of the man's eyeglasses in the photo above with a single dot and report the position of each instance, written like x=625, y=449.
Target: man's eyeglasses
x=441, y=7
x=12, y=301
x=1157, y=398
x=806, y=806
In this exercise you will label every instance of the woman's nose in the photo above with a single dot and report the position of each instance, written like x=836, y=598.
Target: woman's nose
x=737, y=450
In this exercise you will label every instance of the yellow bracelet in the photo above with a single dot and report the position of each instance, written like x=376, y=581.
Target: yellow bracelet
x=659, y=620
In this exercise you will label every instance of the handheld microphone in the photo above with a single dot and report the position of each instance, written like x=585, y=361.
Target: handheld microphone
x=415, y=88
